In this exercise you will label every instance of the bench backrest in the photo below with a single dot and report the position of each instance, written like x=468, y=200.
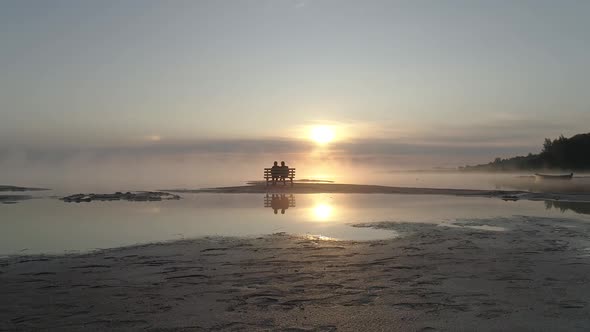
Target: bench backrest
x=287, y=172
x=268, y=200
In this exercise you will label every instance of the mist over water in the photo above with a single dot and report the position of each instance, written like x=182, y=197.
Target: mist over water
x=194, y=171
x=105, y=174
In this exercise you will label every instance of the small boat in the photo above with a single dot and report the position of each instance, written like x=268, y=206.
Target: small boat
x=554, y=177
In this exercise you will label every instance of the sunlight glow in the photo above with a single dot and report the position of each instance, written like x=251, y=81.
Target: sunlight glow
x=322, y=134
x=320, y=238
x=322, y=211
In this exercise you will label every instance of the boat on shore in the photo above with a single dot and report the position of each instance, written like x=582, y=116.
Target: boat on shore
x=554, y=176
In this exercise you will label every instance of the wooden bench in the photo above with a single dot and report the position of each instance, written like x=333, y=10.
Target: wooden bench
x=281, y=175
x=269, y=199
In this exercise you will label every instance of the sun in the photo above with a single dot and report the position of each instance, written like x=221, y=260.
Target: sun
x=322, y=134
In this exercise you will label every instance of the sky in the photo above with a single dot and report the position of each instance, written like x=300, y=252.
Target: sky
x=404, y=84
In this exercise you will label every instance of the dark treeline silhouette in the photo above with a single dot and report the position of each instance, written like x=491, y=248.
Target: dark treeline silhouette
x=560, y=154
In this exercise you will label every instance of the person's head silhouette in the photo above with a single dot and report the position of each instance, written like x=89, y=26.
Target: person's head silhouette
x=282, y=163
x=282, y=211
x=276, y=163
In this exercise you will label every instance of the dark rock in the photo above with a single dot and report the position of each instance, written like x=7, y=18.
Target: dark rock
x=143, y=196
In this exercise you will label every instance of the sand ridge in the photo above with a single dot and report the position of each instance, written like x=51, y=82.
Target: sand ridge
x=317, y=188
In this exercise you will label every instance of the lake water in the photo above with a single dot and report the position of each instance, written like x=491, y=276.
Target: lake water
x=48, y=225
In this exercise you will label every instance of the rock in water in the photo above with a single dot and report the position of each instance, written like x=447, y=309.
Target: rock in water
x=140, y=196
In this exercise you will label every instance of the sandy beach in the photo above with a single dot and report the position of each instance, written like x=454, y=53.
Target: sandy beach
x=520, y=273
x=313, y=188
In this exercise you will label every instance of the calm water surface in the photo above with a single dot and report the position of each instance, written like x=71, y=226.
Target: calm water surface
x=47, y=225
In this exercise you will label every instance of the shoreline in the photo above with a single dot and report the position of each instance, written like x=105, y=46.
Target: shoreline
x=533, y=276
x=11, y=188
x=332, y=188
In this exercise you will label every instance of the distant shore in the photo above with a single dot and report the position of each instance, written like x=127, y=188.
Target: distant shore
x=318, y=188
x=17, y=188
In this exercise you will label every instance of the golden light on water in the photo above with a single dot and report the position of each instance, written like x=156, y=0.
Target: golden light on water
x=320, y=238
x=322, y=134
x=322, y=211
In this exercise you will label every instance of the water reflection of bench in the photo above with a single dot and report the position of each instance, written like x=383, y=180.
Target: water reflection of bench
x=279, y=202
x=280, y=174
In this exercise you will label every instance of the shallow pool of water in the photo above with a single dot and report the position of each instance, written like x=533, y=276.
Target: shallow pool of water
x=47, y=225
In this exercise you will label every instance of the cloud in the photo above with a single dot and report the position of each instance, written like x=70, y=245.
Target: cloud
x=354, y=150
x=479, y=141
x=300, y=4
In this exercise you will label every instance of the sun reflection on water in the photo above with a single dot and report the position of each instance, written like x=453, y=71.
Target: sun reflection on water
x=320, y=238
x=322, y=211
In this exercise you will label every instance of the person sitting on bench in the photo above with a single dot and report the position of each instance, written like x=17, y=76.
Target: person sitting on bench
x=275, y=172
x=284, y=171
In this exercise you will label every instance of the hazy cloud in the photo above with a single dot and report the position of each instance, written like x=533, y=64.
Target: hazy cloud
x=352, y=149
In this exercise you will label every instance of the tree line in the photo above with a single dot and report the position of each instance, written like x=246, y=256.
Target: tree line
x=561, y=154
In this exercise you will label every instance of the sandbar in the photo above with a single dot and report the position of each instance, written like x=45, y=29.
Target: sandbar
x=316, y=188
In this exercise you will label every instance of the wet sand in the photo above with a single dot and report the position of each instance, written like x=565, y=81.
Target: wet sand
x=316, y=188
x=534, y=276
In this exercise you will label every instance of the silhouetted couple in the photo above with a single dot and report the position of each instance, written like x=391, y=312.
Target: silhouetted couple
x=279, y=202
x=279, y=172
